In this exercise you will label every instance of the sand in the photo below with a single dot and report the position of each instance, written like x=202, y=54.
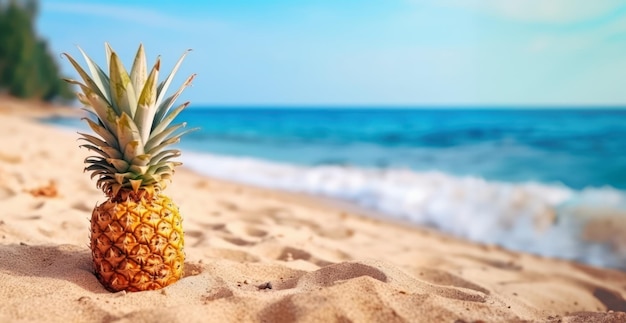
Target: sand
x=256, y=255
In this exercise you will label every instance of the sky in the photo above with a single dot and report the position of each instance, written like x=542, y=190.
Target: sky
x=363, y=52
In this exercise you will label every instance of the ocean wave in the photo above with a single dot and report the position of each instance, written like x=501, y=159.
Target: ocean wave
x=549, y=220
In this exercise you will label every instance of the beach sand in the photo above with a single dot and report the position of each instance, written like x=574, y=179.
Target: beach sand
x=262, y=256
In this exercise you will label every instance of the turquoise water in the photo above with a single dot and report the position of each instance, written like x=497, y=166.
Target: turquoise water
x=525, y=179
x=578, y=148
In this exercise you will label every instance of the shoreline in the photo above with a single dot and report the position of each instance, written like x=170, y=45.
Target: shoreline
x=526, y=216
x=325, y=260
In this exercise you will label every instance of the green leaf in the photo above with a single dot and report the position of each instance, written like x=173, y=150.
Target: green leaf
x=161, y=169
x=96, y=167
x=98, y=105
x=170, y=141
x=122, y=91
x=93, y=140
x=119, y=177
x=97, y=161
x=93, y=116
x=136, y=169
x=100, y=78
x=98, y=173
x=132, y=149
x=105, y=112
x=82, y=86
x=119, y=164
x=82, y=99
x=162, y=89
x=164, y=107
x=141, y=160
x=112, y=152
x=165, y=158
x=86, y=78
x=138, y=72
x=96, y=149
x=103, y=133
x=157, y=138
x=127, y=131
x=163, y=124
x=108, y=50
x=166, y=153
x=147, y=99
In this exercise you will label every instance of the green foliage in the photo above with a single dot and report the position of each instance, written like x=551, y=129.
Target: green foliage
x=27, y=69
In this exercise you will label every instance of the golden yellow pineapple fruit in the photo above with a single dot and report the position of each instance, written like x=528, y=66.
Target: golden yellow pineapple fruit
x=136, y=235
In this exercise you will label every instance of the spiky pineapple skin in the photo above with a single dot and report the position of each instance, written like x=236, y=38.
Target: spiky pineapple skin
x=137, y=243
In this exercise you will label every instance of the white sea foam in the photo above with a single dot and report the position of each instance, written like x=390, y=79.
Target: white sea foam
x=537, y=218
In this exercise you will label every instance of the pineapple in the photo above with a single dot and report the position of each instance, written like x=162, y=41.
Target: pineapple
x=136, y=235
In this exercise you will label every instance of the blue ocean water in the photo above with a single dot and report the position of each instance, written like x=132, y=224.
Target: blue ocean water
x=527, y=179
x=577, y=148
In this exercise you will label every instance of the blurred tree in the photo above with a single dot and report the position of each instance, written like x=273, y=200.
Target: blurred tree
x=27, y=69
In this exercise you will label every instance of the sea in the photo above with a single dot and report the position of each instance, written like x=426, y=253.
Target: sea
x=537, y=180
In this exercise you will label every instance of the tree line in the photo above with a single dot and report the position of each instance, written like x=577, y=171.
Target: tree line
x=27, y=68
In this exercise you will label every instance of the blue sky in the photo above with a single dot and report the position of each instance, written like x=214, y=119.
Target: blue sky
x=364, y=52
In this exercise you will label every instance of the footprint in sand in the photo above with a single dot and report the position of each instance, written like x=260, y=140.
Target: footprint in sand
x=278, y=215
x=38, y=205
x=196, y=235
x=255, y=232
x=240, y=229
x=230, y=254
x=292, y=254
x=6, y=193
x=332, y=274
x=443, y=278
x=82, y=206
x=229, y=206
x=236, y=233
x=217, y=293
x=254, y=218
x=238, y=241
x=219, y=230
x=214, y=226
x=10, y=159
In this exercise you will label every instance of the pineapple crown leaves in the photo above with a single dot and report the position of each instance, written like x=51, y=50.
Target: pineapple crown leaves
x=132, y=117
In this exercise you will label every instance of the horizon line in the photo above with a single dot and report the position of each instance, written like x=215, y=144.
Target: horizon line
x=409, y=106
